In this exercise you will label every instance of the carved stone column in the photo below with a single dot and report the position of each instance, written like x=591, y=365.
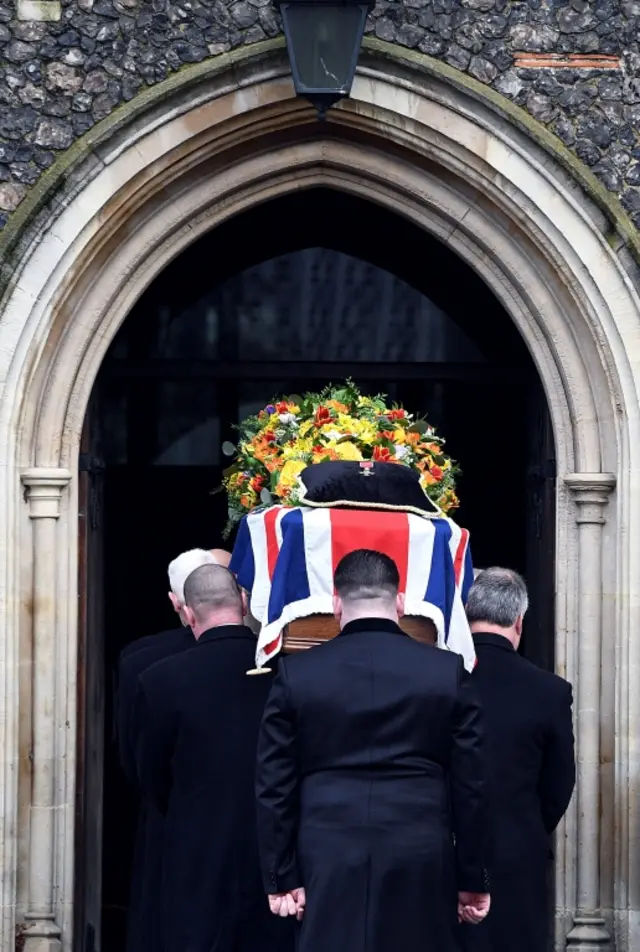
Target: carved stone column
x=591, y=493
x=44, y=489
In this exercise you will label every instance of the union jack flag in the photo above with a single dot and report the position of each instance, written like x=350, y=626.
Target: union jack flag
x=286, y=557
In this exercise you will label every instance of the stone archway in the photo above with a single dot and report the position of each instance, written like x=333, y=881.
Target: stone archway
x=438, y=155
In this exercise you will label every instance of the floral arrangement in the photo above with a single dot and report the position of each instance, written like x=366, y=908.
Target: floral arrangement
x=339, y=423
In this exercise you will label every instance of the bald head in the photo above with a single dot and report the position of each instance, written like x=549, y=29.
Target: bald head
x=212, y=598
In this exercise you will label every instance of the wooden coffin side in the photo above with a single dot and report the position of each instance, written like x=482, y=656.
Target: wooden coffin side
x=307, y=632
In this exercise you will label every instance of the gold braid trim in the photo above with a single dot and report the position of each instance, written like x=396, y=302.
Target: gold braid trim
x=389, y=507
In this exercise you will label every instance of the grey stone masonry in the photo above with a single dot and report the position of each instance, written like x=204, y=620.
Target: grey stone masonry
x=60, y=77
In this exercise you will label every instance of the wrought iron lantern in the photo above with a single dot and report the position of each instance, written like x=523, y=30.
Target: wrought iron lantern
x=323, y=40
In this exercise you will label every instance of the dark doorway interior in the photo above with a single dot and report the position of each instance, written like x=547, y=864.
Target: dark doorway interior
x=288, y=297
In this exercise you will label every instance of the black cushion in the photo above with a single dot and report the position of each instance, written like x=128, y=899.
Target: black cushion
x=338, y=484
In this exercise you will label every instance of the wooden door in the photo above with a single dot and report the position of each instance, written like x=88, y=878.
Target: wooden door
x=538, y=643
x=539, y=631
x=91, y=690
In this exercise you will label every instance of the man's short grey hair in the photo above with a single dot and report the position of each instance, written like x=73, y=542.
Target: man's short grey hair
x=211, y=588
x=498, y=597
x=182, y=567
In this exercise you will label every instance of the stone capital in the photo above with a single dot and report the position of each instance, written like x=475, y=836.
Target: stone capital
x=43, y=489
x=591, y=493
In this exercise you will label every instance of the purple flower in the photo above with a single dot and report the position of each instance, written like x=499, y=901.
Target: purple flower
x=270, y=409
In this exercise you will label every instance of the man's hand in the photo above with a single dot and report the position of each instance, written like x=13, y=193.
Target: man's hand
x=288, y=904
x=473, y=907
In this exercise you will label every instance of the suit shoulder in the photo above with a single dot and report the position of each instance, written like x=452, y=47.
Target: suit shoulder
x=552, y=684
x=301, y=660
x=162, y=671
x=329, y=650
x=146, y=642
x=170, y=644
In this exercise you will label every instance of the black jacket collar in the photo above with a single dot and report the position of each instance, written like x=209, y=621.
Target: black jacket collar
x=223, y=632
x=372, y=624
x=491, y=640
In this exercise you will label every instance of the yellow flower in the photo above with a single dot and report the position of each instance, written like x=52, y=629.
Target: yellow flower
x=306, y=427
x=399, y=436
x=347, y=423
x=297, y=449
x=347, y=451
x=365, y=431
x=290, y=472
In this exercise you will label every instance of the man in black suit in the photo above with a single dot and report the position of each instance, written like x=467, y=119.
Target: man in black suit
x=530, y=753
x=197, y=719
x=144, y=909
x=369, y=764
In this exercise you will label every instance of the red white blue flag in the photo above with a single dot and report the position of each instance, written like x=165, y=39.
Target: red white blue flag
x=286, y=558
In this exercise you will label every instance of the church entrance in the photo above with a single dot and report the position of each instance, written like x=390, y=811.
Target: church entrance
x=294, y=294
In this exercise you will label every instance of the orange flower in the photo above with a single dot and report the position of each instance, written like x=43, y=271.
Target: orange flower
x=324, y=453
x=323, y=415
x=382, y=454
x=397, y=414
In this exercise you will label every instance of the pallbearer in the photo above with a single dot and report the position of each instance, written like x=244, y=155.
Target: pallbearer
x=144, y=907
x=197, y=717
x=370, y=762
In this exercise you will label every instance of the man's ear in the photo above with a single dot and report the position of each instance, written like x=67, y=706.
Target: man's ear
x=518, y=625
x=337, y=607
x=189, y=617
x=400, y=604
x=174, y=601
x=245, y=603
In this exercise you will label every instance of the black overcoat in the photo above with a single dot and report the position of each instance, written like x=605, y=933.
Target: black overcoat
x=369, y=762
x=531, y=774
x=143, y=914
x=198, y=715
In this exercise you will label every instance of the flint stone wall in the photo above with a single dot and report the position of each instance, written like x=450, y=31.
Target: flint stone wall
x=57, y=79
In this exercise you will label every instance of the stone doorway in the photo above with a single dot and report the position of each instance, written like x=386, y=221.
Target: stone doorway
x=457, y=162
x=299, y=292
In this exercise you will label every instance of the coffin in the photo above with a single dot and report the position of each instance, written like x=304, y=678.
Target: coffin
x=308, y=632
x=284, y=558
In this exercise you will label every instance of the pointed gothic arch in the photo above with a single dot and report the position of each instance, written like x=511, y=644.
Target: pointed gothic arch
x=436, y=153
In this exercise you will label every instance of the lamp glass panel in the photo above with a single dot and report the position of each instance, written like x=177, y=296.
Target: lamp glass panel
x=323, y=40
